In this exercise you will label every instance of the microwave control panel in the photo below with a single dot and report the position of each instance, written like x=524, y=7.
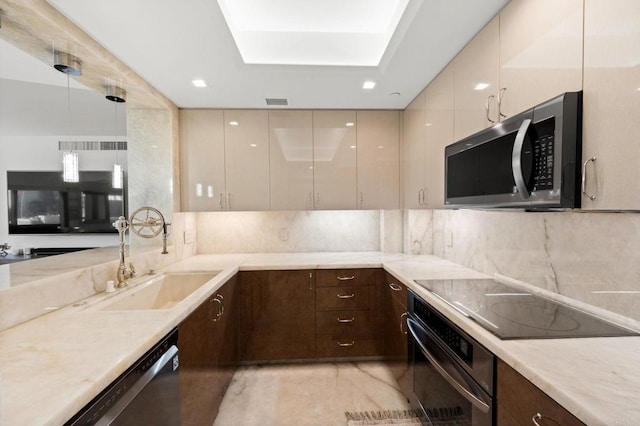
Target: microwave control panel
x=543, y=163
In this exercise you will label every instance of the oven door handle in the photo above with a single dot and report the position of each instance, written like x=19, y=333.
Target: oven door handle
x=461, y=386
x=516, y=159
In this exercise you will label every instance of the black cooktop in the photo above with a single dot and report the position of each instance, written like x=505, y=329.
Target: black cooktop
x=511, y=313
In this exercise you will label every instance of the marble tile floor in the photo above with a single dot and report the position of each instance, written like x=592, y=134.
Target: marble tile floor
x=308, y=394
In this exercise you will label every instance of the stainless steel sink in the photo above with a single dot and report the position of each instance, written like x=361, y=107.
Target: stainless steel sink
x=161, y=292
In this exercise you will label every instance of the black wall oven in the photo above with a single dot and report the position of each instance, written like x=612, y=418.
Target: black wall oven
x=531, y=160
x=452, y=374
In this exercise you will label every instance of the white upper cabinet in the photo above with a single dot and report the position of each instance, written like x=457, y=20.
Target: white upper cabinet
x=611, y=119
x=378, y=159
x=540, y=51
x=439, y=116
x=291, y=159
x=202, y=160
x=246, y=145
x=477, y=82
x=415, y=153
x=334, y=160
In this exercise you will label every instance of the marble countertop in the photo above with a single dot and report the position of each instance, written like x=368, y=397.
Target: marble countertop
x=52, y=366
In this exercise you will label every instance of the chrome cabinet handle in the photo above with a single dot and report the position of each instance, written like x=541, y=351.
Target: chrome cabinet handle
x=309, y=202
x=310, y=280
x=361, y=199
x=486, y=108
x=402, y=329
x=349, y=278
x=317, y=200
x=218, y=299
x=584, y=178
x=346, y=296
x=395, y=287
x=420, y=197
x=229, y=201
x=516, y=159
x=500, y=94
x=345, y=344
x=538, y=416
x=221, y=201
x=535, y=419
x=346, y=320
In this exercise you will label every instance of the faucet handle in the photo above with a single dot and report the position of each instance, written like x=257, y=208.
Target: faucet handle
x=132, y=269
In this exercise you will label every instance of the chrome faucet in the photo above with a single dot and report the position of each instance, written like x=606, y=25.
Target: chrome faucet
x=124, y=273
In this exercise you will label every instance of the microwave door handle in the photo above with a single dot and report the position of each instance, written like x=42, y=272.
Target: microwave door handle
x=516, y=159
x=462, y=388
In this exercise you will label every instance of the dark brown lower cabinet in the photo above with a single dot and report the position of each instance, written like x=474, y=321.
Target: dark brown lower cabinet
x=520, y=401
x=207, y=343
x=278, y=315
x=394, y=308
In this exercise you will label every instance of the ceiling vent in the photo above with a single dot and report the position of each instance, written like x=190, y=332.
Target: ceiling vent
x=277, y=101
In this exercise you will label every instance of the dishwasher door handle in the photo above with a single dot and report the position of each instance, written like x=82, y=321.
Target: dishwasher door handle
x=139, y=385
x=460, y=385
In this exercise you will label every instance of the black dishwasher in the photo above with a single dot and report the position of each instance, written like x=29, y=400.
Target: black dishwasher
x=147, y=393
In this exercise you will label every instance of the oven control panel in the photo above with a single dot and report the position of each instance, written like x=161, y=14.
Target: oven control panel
x=447, y=333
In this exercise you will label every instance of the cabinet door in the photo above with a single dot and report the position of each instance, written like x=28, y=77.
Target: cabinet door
x=291, y=160
x=207, y=340
x=378, y=162
x=246, y=134
x=202, y=160
x=414, y=144
x=439, y=133
x=519, y=400
x=476, y=81
x=334, y=160
x=612, y=104
x=279, y=315
x=540, y=51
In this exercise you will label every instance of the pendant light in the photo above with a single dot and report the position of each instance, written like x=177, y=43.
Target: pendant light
x=70, y=65
x=117, y=95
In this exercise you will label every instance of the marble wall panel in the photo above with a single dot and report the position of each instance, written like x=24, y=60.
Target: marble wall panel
x=591, y=257
x=418, y=232
x=391, y=231
x=288, y=231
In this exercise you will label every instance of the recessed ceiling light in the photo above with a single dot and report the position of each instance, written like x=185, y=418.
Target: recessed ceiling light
x=394, y=94
x=327, y=32
x=349, y=124
x=368, y=85
x=481, y=86
x=199, y=83
x=233, y=123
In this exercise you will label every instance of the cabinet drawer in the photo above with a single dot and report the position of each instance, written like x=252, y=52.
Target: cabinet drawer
x=350, y=322
x=519, y=401
x=343, y=277
x=397, y=290
x=344, y=298
x=338, y=346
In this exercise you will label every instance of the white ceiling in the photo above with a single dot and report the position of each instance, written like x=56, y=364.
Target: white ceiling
x=171, y=42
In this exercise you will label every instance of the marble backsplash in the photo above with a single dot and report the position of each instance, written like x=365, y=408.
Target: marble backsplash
x=299, y=231
x=591, y=257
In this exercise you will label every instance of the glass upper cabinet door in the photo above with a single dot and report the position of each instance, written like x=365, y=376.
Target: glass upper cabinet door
x=334, y=160
x=291, y=160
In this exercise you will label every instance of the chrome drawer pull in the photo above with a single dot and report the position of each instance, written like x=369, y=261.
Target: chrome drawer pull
x=346, y=296
x=346, y=320
x=352, y=277
x=395, y=287
x=351, y=343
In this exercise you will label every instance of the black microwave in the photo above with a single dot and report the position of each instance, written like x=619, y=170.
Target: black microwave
x=530, y=160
